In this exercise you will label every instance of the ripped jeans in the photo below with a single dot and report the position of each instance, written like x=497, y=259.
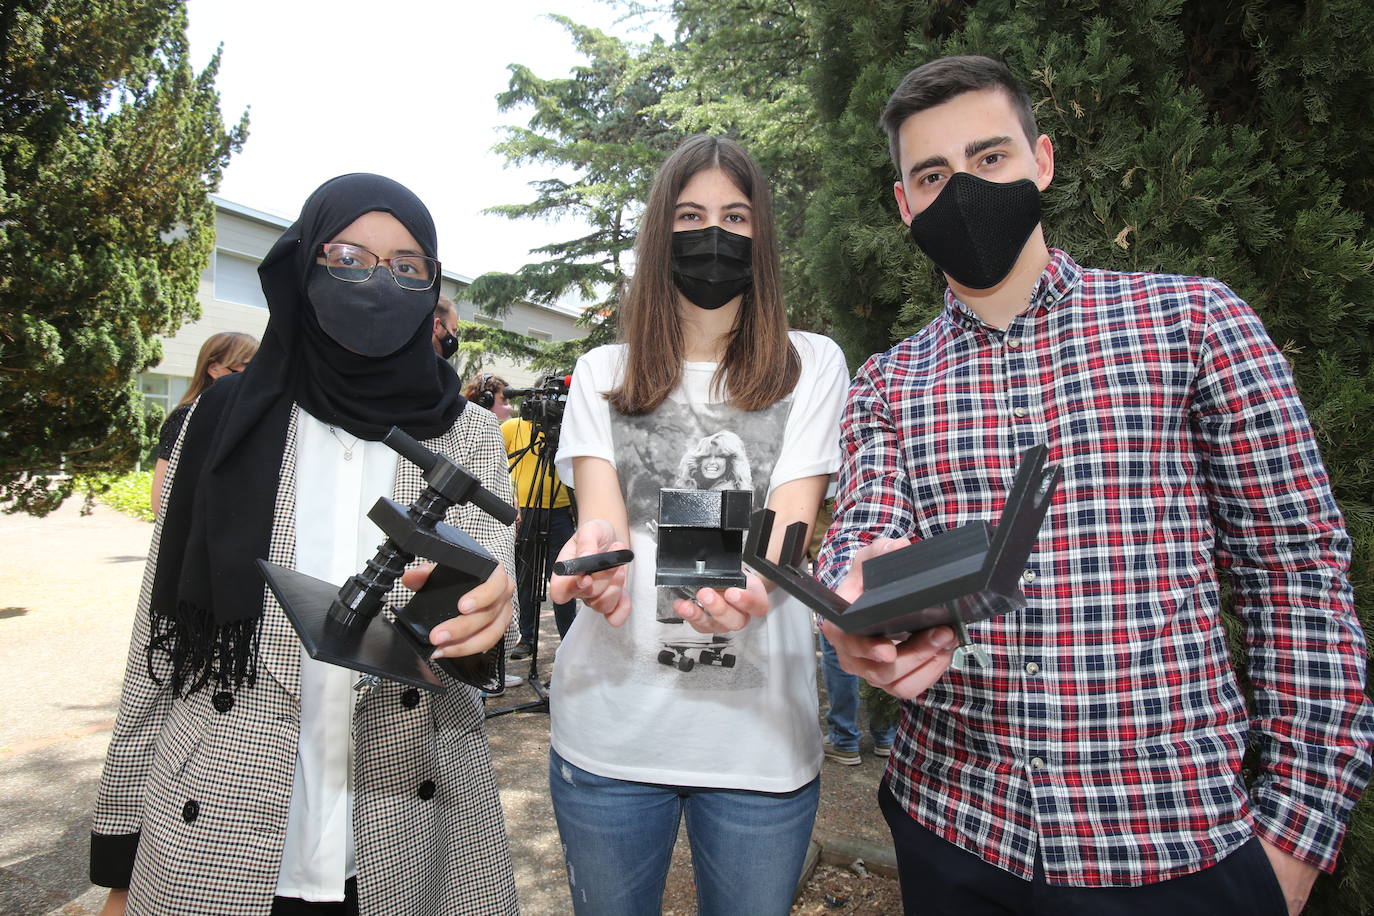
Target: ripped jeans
x=618, y=836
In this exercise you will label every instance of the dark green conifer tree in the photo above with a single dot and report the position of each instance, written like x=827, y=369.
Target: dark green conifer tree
x=598, y=123
x=109, y=143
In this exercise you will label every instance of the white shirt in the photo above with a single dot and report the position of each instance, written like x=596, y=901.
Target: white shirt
x=655, y=701
x=334, y=538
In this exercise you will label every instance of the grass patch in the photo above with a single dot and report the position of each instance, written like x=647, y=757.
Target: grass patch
x=127, y=493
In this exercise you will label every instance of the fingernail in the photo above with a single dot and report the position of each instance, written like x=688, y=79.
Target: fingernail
x=437, y=653
x=943, y=638
x=443, y=636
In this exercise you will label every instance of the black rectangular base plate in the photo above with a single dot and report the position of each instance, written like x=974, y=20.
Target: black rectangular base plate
x=969, y=573
x=379, y=649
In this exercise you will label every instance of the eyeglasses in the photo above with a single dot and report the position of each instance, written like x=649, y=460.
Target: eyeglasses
x=353, y=264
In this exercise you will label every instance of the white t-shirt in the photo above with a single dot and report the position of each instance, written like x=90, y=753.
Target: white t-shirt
x=744, y=716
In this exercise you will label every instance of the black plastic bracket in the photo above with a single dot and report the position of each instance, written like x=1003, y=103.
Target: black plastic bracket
x=969, y=573
x=701, y=538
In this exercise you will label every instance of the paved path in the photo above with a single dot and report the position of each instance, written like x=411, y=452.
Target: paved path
x=67, y=589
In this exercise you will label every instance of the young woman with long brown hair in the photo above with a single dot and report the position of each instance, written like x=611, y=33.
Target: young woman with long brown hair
x=640, y=736
x=222, y=354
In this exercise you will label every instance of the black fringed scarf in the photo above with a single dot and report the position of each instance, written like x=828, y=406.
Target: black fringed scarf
x=207, y=591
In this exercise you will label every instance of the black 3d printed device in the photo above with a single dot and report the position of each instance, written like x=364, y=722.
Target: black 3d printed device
x=958, y=577
x=336, y=624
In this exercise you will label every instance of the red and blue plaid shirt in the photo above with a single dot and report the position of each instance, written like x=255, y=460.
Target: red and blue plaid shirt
x=1107, y=737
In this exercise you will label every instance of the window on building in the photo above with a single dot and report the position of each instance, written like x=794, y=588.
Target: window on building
x=155, y=391
x=236, y=279
x=539, y=335
x=164, y=391
x=488, y=320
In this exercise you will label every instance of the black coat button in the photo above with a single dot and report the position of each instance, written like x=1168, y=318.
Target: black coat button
x=426, y=791
x=223, y=701
x=190, y=811
x=411, y=698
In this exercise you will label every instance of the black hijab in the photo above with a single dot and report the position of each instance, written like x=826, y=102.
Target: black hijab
x=207, y=592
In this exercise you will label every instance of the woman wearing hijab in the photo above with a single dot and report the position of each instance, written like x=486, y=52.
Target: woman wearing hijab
x=244, y=777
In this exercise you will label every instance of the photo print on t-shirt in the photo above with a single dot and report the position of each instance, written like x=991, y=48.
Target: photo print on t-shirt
x=718, y=462
x=689, y=446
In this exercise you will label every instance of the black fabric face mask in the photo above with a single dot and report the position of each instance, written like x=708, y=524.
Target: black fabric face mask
x=711, y=266
x=448, y=345
x=975, y=229
x=373, y=318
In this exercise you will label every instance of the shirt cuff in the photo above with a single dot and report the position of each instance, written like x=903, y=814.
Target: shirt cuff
x=112, y=858
x=1304, y=833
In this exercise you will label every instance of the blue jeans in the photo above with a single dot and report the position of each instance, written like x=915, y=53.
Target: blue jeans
x=843, y=716
x=618, y=836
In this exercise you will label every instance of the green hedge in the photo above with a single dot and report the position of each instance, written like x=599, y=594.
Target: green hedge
x=128, y=492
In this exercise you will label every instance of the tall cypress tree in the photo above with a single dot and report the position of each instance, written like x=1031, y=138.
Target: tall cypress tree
x=109, y=143
x=1226, y=139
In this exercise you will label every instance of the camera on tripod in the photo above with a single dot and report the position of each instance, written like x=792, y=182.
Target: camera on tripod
x=531, y=444
x=544, y=404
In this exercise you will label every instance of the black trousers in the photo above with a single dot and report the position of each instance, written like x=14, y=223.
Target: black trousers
x=939, y=878
x=294, y=906
x=526, y=552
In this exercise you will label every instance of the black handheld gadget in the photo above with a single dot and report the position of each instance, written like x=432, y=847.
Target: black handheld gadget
x=593, y=563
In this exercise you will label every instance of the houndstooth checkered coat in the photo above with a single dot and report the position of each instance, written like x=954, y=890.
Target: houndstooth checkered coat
x=195, y=792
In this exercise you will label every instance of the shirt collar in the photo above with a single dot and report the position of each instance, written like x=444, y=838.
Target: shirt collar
x=1058, y=281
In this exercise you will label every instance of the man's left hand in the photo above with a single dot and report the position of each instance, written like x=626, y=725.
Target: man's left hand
x=1295, y=877
x=483, y=614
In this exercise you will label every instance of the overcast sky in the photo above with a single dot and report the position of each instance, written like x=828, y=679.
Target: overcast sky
x=404, y=88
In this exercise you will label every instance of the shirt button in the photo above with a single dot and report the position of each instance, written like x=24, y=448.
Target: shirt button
x=1020, y=411
x=426, y=790
x=1037, y=763
x=1013, y=342
x=1028, y=576
x=411, y=698
x=1032, y=668
x=222, y=701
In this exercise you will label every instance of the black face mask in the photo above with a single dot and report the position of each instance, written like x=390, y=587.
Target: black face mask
x=374, y=318
x=975, y=229
x=448, y=345
x=711, y=266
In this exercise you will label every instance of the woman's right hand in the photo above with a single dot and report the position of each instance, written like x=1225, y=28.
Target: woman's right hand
x=603, y=592
x=115, y=902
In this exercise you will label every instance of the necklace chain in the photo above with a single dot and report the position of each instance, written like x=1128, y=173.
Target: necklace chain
x=347, y=447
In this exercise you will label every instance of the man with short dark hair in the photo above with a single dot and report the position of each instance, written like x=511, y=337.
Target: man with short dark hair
x=445, y=328
x=1095, y=764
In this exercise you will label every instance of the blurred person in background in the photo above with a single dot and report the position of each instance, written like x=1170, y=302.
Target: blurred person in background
x=220, y=355
x=445, y=328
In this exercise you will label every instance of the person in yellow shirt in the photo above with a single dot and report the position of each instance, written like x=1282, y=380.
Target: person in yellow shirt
x=546, y=523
